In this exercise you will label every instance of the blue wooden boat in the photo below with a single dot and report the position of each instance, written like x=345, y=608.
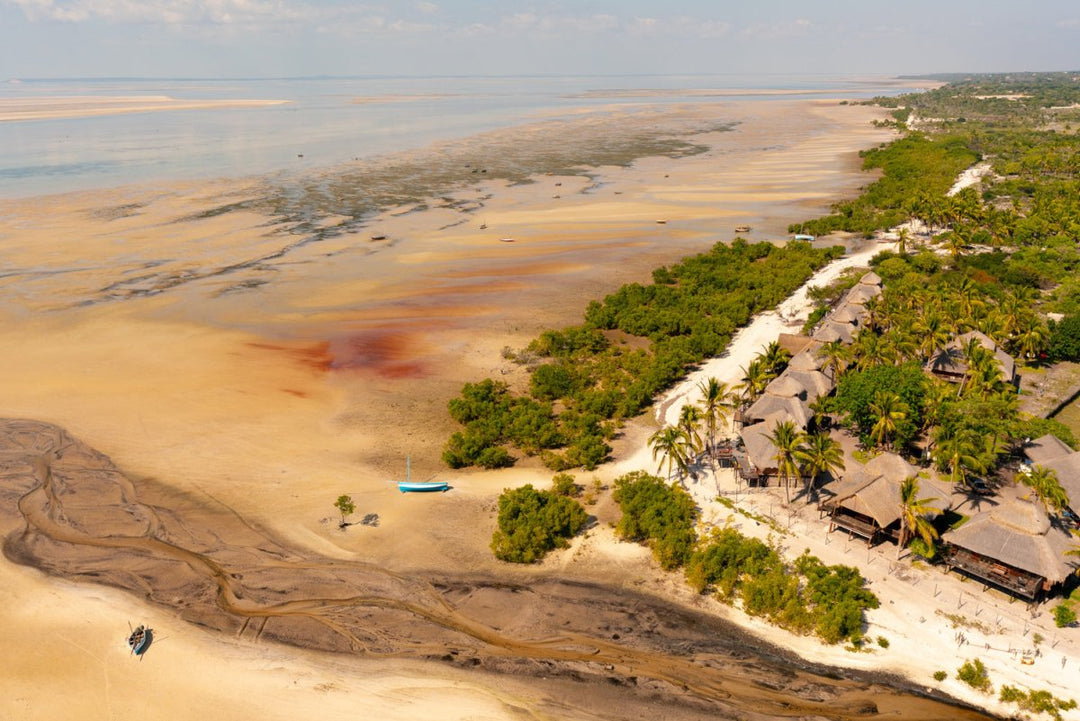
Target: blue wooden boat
x=411, y=486
x=140, y=640
x=422, y=486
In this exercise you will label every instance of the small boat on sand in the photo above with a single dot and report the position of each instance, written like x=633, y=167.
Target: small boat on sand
x=411, y=486
x=506, y=240
x=742, y=228
x=140, y=639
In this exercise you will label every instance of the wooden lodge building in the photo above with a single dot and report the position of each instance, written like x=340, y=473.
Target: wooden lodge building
x=1014, y=546
x=950, y=365
x=866, y=501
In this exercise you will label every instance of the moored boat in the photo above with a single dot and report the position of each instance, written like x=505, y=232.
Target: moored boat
x=411, y=486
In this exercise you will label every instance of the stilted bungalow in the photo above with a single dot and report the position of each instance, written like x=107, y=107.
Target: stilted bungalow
x=866, y=501
x=1014, y=546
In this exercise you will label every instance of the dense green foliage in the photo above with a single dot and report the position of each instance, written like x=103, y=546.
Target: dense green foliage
x=913, y=167
x=688, y=314
x=856, y=391
x=533, y=522
x=805, y=596
x=657, y=514
x=1064, y=615
x=974, y=674
x=1064, y=342
x=1036, y=701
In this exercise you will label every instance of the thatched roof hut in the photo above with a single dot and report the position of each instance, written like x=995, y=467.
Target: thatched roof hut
x=807, y=360
x=1045, y=449
x=792, y=408
x=829, y=331
x=866, y=501
x=951, y=365
x=1014, y=546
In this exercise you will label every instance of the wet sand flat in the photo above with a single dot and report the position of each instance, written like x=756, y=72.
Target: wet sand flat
x=263, y=346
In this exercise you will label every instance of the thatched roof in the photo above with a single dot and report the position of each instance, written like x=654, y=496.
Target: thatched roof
x=790, y=408
x=786, y=386
x=951, y=359
x=815, y=382
x=847, y=313
x=862, y=293
x=873, y=490
x=1046, y=448
x=794, y=343
x=759, y=449
x=807, y=360
x=1067, y=470
x=871, y=278
x=830, y=331
x=1018, y=533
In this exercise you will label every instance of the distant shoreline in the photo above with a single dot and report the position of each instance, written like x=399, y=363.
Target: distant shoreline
x=53, y=108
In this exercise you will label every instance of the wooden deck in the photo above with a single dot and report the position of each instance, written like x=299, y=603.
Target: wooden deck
x=853, y=524
x=1023, y=584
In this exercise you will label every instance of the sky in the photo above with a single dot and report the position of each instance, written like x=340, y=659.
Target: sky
x=295, y=38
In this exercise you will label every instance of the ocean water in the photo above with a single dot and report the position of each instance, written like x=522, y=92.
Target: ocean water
x=321, y=122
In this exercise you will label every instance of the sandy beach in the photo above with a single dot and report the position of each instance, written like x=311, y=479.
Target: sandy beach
x=250, y=365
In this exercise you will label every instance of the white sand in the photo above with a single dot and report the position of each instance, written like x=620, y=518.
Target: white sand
x=916, y=602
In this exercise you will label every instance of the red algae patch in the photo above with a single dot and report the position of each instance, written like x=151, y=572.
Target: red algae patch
x=315, y=356
x=389, y=352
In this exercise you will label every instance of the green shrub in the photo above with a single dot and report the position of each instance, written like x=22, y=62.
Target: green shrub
x=532, y=522
x=656, y=514
x=688, y=314
x=882, y=641
x=1064, y=616
x=974, y=674
x=805, y=597
x=1036, y=701
x=564, y=485
x=940, y=675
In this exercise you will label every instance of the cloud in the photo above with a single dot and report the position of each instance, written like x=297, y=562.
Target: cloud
x=1068, y=24
x=778, y=31
x=170, y=12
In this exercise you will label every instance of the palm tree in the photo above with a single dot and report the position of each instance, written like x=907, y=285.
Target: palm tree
x=755, y=377
x=1044, y=482
x=902, y=238
x=669, y=444
x=913, y=513
x=835, y=356
x=954, y=242
x=870, y=350
x=775, y=358
x=715, y=404
x=889, y=410
x=819, y=454
x=1031, y=337
x=788, y=441
x=690, y=419
x=934, y=333
x=957, y=451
